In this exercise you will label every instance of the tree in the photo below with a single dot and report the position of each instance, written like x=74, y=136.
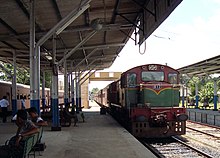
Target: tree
x=22, y=75
x=207, y=92
x=205, y=88
x=95, y=90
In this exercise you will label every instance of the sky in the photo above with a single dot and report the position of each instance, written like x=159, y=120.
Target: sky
x=189, y=35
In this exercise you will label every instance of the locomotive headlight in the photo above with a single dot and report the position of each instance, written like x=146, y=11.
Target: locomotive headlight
x=182, y=117
x=141, y=87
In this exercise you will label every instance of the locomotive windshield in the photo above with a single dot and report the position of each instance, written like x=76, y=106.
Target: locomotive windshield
x=152, y=76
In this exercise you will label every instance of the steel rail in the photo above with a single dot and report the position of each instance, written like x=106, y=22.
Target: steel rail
x=191, y=147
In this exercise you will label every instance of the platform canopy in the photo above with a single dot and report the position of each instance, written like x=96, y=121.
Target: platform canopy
x=202, y=68
x=91, y=32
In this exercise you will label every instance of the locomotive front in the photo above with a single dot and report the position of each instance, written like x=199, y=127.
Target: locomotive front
x=150, y=93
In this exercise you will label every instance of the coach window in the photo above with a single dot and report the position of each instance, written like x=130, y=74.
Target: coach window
x=172, y=78
x=131, y=79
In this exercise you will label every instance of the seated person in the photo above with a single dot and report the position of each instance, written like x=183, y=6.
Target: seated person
x=38, y=121
x=16, y=145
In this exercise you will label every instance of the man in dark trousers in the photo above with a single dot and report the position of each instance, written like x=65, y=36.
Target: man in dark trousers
x=4, y=106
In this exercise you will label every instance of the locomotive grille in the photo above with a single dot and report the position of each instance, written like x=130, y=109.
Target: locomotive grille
x=142, y=129
x=180, y=127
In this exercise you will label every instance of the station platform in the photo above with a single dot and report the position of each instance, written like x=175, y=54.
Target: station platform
x=100, y=136
x=204, y=116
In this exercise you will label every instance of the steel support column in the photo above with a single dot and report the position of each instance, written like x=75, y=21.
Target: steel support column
x=34, y=62
x=80, y=96
x=54, y=98
x=65, y=83
x=14, y=86
x=197, y=96
x=183, y=96
x=72, y=89
x=77, y=91
x=43, y=92
x=215, y=96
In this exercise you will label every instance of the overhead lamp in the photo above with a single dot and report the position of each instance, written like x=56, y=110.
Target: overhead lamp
x=69, y=19
x=48, y=57
x=96, y=24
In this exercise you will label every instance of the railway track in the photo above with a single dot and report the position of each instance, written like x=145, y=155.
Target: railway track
x=211, y=131
x=209, y=136
x=174, y=147
x=205, y=137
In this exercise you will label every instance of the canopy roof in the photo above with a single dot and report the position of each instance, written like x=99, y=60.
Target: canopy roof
x=92, y=37
x=202, y=68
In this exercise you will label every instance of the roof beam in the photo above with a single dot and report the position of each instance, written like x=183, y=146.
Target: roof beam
x=59, y=17
x=7, y=44
x=115, y=11
x=55, y=6
x=106, y=27
x=21, y=5
x=59, y=27
x=84, y=52
x=100, y=46
x=90, y=35
x=12, y=31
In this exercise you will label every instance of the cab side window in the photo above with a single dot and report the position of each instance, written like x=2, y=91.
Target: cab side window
x=172, y=78
x=131, y=79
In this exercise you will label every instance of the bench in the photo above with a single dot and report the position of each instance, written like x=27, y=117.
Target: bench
x=30, y=143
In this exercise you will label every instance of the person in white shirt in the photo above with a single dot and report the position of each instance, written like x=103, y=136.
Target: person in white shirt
x=4, y=106
x=35, y=118
x=23, y=103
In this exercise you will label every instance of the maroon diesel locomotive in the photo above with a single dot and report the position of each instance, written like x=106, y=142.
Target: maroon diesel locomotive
x=146, y=101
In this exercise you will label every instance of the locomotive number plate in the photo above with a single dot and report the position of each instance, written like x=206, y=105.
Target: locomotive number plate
x=152, y=67
x=157, y=86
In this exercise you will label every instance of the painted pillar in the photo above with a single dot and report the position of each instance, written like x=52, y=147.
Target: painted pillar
x=34, y=62
x=54, y=96
x=197, y=96
x=43, y=92
x=69, y=87
x=14, y=86
x=215, y=96
x=187, y=97
x=65, y=83
x=72, y=91
x=183, y=96
x=80, y=97
x=77, y=91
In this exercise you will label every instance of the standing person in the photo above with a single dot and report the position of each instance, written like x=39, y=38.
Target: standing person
x=22, y=103
x=4, y=106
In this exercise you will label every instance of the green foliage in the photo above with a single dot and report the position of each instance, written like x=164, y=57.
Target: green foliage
x=47, y=79
x=205, y=88
x=5, y=74
x=207, y=91
x=23, y=75
x=94, y=90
